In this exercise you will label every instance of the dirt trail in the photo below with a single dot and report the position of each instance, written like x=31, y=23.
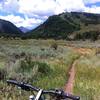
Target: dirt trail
x=70, y=83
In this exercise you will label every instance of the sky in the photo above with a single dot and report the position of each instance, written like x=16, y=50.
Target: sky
x=31, y=13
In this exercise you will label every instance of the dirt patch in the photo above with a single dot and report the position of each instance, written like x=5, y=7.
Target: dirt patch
x=84, y=51
x=70, y=83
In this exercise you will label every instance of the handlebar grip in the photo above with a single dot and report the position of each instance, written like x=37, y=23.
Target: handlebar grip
x=13, y=82
x=22, y=85
x=62, y=94
x=70, y=96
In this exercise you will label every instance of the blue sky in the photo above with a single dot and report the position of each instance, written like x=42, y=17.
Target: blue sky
x=31, y=13
x=97, y=4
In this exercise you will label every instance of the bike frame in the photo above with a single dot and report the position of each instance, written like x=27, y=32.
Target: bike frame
x=38, y=96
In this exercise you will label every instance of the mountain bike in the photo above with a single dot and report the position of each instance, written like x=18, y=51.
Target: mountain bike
x=57, y=93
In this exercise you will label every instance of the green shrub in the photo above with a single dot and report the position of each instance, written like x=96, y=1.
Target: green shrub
x=27, y=66
x=26, y=70
x=54, y=46
x=92, y=35
x=43, y=68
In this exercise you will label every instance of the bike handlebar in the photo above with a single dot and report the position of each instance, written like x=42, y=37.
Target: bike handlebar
x=23, y=85
x=28, y=87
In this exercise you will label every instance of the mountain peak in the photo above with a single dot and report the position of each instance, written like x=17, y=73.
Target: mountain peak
x=23, y=29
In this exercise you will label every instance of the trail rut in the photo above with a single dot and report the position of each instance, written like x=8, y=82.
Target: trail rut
x=70, y=83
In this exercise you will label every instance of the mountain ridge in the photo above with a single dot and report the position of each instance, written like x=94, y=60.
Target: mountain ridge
x=68, y=26
x=8, y=29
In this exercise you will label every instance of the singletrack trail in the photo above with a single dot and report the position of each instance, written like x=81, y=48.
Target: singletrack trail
x=70, y=83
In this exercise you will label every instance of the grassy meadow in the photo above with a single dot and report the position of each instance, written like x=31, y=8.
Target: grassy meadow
x=87, y=82
x=42, y=63
x=45, y=64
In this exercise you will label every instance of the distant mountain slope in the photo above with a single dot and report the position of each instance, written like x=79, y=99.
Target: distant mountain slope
x=8, y=29
x=23, y=29
x=68, y=26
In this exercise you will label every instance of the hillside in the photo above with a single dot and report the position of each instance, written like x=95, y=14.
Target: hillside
x=74, y=25
x=7, y=29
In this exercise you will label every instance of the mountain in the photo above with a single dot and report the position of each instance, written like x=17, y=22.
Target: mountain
x=23, y=29
x=7, y=29
x=73, y=25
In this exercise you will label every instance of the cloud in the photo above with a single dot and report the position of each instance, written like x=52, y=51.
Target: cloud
x=93, y=9
x=31, y=22
x=10, y=6
x=49, y=7
x=14, y=19
x=37, y=11
x=37, y=7
x=70, y=5
x=0, y=6
x=19, y=21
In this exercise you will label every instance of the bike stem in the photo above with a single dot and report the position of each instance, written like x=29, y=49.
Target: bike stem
x=39, y=94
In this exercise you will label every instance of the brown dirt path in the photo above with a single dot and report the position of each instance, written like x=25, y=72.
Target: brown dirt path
x=68, y=88
x=70, y=83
